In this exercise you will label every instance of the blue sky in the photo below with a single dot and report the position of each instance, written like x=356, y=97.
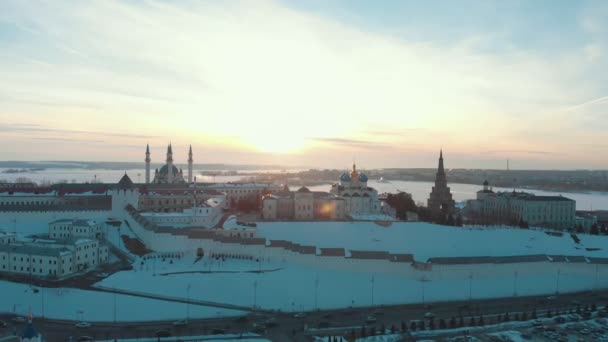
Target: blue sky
x=311, y=83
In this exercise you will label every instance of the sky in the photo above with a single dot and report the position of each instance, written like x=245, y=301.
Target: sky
x=316, y=83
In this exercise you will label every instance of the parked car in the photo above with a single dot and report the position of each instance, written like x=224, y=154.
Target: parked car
x=371, y=319
x=271, y=323
x=299, y=315
x=85, y=339
x=3, y=324
x=18, y=319
x=162, y=333
x=323, y=324
x=180, y=323
x=559, y=320
x=103, y=275
x=83, y=325
x=218, y=331
x=429, y=315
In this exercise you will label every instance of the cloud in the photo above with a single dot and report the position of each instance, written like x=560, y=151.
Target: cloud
x=202, y=72
x=35, y=128
x=504, y=152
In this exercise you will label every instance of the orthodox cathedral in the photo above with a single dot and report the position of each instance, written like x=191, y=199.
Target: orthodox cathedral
x=168, y=173
x=358, y=197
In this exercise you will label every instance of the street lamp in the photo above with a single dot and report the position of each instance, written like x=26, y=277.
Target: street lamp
x=188, y=303
x=372, y=290
x=255, y=293
x=470, y=285
x=557, y=281
x=515, y=284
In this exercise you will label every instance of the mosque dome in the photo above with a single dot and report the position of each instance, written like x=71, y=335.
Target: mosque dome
x=363, y=177
x=165, y=170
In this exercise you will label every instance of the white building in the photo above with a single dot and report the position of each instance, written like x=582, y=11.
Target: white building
x=206, y=215
x=53, y=259
x=522, y=207
x=302, y=205
x=6, y=238
x=349, y=198
x=75, y=228
x=358, y=197
x=243, y=191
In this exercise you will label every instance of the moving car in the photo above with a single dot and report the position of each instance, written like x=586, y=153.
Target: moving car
x=180, y=323
x=83, y=325
x=162, y=333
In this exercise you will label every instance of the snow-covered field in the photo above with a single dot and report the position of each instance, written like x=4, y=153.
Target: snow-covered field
x=292, y=287
x=336, y=282
x=426, y=240
x=74, y=304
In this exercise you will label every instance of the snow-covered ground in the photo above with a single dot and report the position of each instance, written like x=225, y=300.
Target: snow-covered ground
x=73, y=304
x=247, y=337
x=291, y=287
x=426, y=240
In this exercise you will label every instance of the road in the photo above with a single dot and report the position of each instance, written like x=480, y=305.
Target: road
x=289, y=328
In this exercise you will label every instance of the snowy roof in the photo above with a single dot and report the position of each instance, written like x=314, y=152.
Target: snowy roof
x=33, y=250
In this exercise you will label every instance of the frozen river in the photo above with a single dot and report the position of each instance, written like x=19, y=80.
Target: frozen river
x=419, y=190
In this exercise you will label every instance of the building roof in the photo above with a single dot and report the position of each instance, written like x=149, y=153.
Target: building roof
x=306, y=249
x=303, y=189
x=548, y=198
x=333, y=252
x=401, y=257
x=281, y=243
x=369, y=255
x=598, y=260
x=488, y=259
x=34, y=250
x=125, y=182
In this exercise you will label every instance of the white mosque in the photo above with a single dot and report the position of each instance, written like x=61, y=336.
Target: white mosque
x=168, y=173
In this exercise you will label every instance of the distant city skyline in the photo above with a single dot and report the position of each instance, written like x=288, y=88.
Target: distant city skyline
x=316, y=83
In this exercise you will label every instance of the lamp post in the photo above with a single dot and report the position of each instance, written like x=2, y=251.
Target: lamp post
x=372, y=280
x=114, y=299
x=255, y=293
x=557, y=281
x=515, y=284
x=188, y=303
x=316, y=290
x=470, y=285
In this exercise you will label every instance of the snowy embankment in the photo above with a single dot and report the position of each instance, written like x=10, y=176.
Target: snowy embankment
x=425, y=240
x=93, y=306
x=292, y=287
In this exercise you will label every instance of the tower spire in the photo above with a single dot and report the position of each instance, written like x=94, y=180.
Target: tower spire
x=147, y=160
x=190, y=162
x=440, y=169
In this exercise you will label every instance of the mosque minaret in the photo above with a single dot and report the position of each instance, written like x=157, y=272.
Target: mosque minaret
x=168, y=173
